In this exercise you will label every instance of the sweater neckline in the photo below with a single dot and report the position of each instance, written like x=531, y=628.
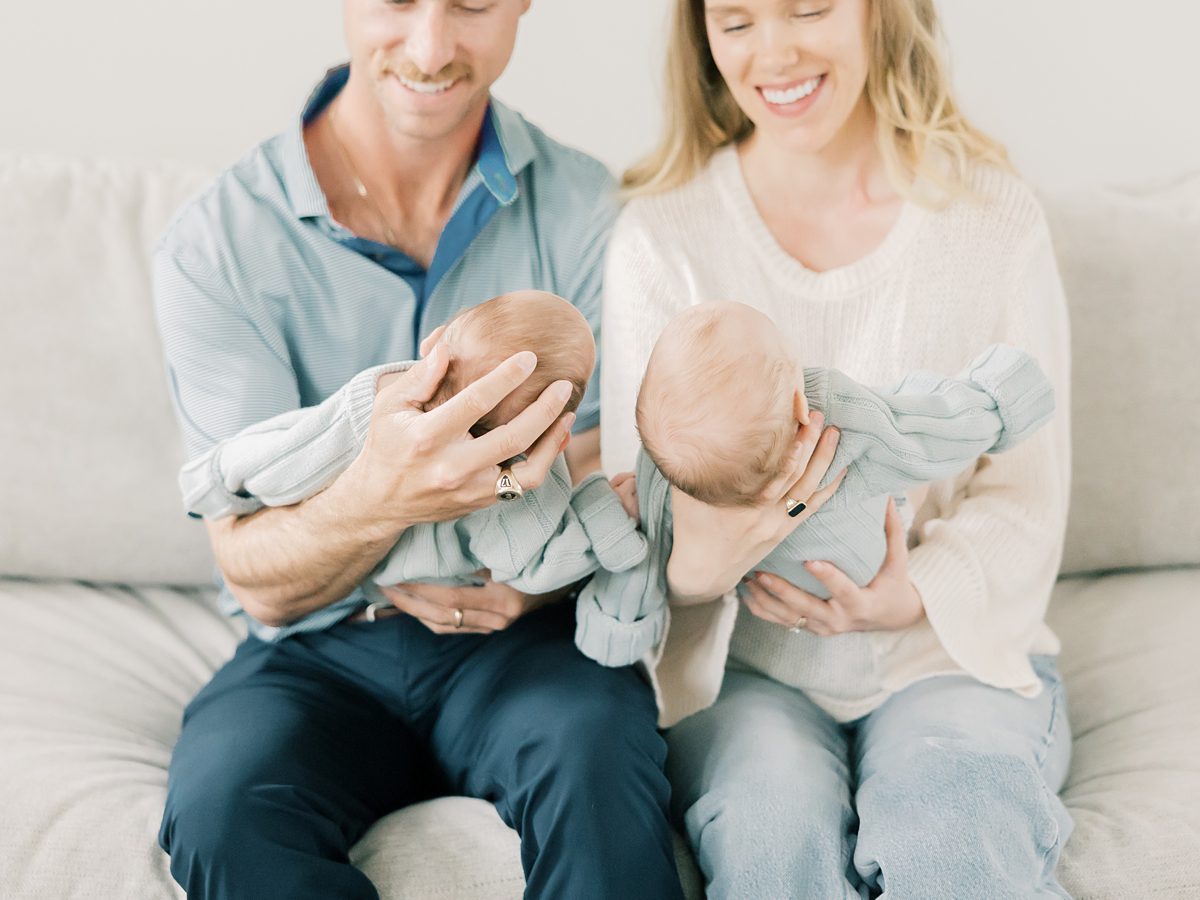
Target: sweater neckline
x=727, y=169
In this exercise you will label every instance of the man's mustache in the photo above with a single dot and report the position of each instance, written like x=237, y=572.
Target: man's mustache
x=409, y=72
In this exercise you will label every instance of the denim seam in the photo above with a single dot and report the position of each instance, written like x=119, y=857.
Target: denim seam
x=1048, y=740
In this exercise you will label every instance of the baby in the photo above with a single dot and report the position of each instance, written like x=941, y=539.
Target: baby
x=718, y=413
x=550, y=537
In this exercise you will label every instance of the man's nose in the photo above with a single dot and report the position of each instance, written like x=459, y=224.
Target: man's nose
x=430, y=45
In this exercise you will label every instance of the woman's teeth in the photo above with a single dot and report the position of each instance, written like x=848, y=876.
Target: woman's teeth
x=791, y=95
x=427, y=87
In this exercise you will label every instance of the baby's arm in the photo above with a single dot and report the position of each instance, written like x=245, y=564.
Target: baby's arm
x=551, y=538
x=929, y=427
x=284, y=459
x=620, y=615
x=592, y=533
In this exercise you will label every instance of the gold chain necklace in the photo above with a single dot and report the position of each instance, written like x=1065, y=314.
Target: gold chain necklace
x=359, y=187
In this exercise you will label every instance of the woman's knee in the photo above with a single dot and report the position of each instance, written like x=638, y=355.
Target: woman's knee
x=781, y=833
x=940, y=811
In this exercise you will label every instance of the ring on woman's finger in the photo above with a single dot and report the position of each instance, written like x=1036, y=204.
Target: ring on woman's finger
x=458, y=617
x=798, y=625
x=794, y=507
x=507, y=486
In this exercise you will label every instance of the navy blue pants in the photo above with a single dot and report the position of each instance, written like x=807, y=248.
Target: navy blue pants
x=294, y=749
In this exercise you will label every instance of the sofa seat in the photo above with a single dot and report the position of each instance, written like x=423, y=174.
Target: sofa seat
x=93, y=681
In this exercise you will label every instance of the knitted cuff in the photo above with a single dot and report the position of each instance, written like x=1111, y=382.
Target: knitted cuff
x=615, y=539
x=204, y=491
x=611, y=642
x=1023, y=394
x=360, y=396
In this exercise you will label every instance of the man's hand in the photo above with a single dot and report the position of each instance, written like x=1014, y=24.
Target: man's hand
x=485, y=609
x=419, y=466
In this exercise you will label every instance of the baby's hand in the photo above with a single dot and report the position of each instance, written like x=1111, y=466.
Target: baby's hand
x=625, y=485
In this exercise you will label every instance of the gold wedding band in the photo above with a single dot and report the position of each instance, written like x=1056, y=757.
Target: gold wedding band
x=507, y=486
x=458, y=617
x=798, y=625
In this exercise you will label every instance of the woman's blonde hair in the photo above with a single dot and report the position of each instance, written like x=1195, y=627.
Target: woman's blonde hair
x=920, y=132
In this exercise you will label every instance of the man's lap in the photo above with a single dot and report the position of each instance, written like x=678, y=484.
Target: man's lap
x=438, y=714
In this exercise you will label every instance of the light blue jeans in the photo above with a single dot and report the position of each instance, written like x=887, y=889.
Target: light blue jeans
x=949, y=790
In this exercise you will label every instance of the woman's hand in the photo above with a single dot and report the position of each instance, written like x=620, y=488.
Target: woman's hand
x=890, y=602
x=715, y=546
x=489, y=607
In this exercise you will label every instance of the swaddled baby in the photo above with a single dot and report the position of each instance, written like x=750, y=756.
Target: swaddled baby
x=718, y=413
x=547, y=538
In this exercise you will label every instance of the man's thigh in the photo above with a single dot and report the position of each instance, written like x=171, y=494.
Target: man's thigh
x=279, y=715
x=530, y=685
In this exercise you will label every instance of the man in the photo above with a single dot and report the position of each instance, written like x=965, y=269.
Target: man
x=402, y=195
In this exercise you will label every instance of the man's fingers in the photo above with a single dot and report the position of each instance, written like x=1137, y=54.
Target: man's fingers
x=522, y=433
x=416, y=386
x=531, y=471
x=457, y=415
x=440, y=609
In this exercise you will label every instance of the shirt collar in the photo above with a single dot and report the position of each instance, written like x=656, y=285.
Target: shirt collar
x=505, y=149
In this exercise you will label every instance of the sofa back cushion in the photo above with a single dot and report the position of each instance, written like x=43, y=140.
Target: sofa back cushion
x=90, y=448
x=88, y=441
x=1130, y=262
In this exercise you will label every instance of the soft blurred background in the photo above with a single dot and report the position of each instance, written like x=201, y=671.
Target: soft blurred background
x=1082, y=91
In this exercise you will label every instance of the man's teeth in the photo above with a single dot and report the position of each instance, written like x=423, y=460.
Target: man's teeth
x=427, y=87
x=791, y=95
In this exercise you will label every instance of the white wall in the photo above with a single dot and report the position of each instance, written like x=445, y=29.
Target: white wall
x=1082, y=90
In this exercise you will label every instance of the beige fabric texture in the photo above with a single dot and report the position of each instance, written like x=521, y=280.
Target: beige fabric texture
x=88, y=442
x=93, y=680
x=1130, y=263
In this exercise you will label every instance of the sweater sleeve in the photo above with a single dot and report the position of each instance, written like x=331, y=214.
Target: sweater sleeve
x=286, y=458
x=929, y=427
x=590, y=532
x=622, y=614
x=986, y=566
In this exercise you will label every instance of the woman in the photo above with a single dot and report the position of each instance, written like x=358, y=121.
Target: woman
x=816, y=167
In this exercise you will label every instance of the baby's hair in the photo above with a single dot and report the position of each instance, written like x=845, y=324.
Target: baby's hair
x=522, y=320
x=715, y=415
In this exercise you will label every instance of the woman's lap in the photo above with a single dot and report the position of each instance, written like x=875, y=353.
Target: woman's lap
x=947, y=773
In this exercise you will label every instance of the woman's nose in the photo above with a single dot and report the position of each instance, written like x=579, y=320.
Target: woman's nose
x=777, y=48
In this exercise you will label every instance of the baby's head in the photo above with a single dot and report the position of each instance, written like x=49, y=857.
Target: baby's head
x=718, y=408
x=480, y=338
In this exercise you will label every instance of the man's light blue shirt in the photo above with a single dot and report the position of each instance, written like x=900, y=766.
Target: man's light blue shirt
x=266, y=304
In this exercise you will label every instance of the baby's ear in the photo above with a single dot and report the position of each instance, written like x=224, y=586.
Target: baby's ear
x=800, y=407
x=433, y=337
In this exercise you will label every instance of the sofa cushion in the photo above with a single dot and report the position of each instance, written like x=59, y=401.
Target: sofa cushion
x=89, y=444
x=1131, y=267
x=1133, y=691
x=93, y=682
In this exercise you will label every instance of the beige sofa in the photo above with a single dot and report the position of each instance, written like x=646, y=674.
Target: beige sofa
x=107, y=626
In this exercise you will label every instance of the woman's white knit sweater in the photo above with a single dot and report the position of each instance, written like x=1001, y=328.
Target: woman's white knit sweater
x=943, y=285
